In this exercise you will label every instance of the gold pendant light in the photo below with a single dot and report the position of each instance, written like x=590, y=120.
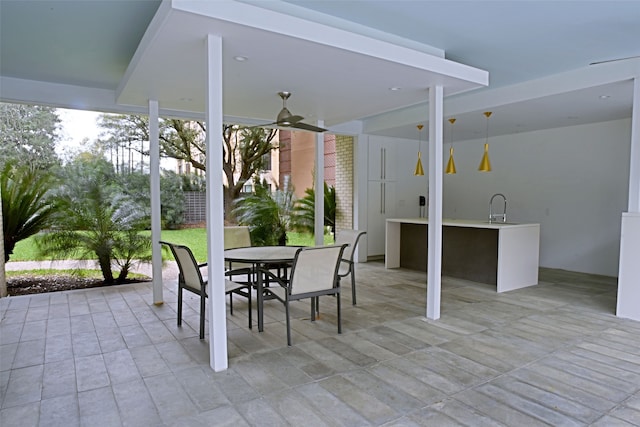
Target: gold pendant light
x=485, y=164
x=419, y=170
x=451, y=165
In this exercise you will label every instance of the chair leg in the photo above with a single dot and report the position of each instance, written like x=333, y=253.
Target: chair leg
x=353, y=285
x=339, y=313
x=231, y=303
x=179, y=305
x=313, y=309
x=202, y=312
x=286, y=309
x=249, y=302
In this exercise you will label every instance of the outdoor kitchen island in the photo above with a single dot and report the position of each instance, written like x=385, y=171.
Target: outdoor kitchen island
x=502, y=254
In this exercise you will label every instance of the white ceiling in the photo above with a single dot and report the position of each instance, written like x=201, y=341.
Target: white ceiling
x=339, y=58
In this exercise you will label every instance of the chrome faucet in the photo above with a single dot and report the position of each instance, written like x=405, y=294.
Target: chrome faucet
x=492, y=216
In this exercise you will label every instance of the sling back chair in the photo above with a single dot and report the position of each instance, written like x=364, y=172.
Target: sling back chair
x=314, y=273
x=190, y=278
x=347, y=267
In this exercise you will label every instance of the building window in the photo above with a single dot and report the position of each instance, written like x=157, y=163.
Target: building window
x=266, y=161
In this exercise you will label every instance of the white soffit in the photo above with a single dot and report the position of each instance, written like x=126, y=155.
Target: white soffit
x=334, y=75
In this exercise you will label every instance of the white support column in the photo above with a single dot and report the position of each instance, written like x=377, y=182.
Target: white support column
x=318, y=229
x=628, y=304
x=360, y=200
x=154, y=171
x=634, y=162
x=434, y=254
x=215, y=210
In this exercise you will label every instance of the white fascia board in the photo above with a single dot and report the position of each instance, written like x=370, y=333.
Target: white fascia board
x=583, y=78
x=268, y=20
x=349, y=128
x=56, y=95
x=392, y=119
x=488, y=98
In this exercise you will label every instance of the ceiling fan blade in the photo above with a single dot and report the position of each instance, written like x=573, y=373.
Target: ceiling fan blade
x=290, y=120
x=286, y=119
x=614, y=60
x=265, y=125
x=305, y=126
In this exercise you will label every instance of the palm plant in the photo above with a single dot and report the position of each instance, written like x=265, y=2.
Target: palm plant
x=304, y=210
x=95, y=221
x=26, y=207
x=268, y=215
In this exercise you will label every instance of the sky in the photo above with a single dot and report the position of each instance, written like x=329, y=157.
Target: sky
x=76, y=125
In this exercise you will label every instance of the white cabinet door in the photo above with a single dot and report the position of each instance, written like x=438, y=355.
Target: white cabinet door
x=382, y=205
x=382, y=159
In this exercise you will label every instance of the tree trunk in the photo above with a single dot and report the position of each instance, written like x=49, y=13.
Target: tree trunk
x=105, y=266
x=228, y=207
x=124, y=271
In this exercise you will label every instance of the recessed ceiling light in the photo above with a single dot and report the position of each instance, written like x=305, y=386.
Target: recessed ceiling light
x=604, y=96
x=240, y=58
x=394, y=88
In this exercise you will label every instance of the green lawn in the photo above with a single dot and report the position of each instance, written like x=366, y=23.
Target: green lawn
x=195, y=238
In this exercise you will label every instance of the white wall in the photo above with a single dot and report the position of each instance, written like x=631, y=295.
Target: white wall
x=572, y=180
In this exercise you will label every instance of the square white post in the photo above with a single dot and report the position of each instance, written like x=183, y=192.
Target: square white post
x=434, y=238
x=628, y=304
x=215, y=207
x=154, y=171
x=319, y=188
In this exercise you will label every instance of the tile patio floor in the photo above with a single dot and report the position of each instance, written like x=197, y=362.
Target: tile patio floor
x=553, y=354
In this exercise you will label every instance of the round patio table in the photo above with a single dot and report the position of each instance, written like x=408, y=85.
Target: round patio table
x=262, y=258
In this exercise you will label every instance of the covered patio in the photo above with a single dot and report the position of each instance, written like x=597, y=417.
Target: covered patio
x=553, y=354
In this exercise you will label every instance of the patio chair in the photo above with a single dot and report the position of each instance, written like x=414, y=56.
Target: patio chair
x=190, y=278
x=238, y=236
x=314, y=273
x=350, y=237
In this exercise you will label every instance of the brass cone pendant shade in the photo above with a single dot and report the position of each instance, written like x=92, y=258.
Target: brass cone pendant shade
x=419, y=170
x=485, y=164
x=451, y=165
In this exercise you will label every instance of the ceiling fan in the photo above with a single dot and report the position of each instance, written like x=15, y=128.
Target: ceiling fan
x=286, y=119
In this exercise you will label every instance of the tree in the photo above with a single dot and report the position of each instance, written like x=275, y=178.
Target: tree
x=127, y=133
x=26, y=208
x=243, y=156
x=28, y=135
x=137, y=187
x=244, y=152
x=304, y=210
x=268, y=215
x=95, y=219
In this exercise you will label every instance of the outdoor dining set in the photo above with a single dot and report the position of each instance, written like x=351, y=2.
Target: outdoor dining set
x=282, y=273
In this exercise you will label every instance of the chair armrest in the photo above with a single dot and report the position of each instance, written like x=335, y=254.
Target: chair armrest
x=274, y=277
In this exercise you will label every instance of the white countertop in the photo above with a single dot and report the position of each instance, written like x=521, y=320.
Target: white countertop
x=463, y=223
